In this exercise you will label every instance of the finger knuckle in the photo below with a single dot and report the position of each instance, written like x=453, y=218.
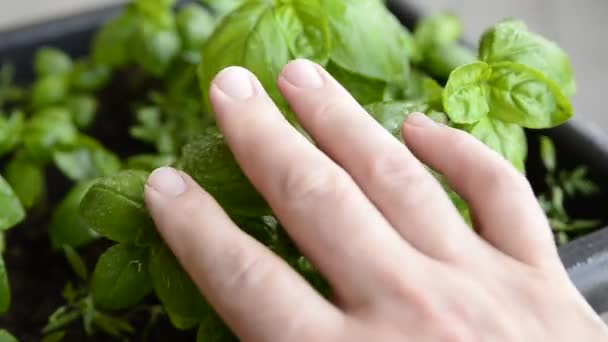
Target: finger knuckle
x=314, y=184
x=392, y=171
x=245, y=269
x=327, y=110
x=502, y=178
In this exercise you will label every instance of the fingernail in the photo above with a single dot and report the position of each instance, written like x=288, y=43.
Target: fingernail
x=420, y=120
x=167, y=181
x=303, y=74
x=236, y=82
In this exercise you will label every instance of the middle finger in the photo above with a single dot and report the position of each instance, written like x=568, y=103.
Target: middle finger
x=397, y=183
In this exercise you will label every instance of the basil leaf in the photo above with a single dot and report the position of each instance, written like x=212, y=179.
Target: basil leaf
x=159, y=11
x=213, y=329
x=221, y=7
x=67, y=227
x=50, y=61
x=194, y=25
x=112, y=41
x=510, y=41
x=48, y=130
x=121, y=278
x=263, y=50
x=27, y=179
x=392, y=114
x=210, y=163
x=465, y=95
x=439, y=29
x=10, y=131
x=86, y=159
x=12, y=211
x=5, y=336
x=441, y=60
x=149, y=162
x=114, y=208
x=521, y=95
x=305, y=28
x=507, y=139
x=49, y=90
x=363, y=89
x=368, y=39
x=176, y=291
x=5, y=288
x=154, y=47
x=422, y=88
x=547, y=153
x=88, y=76
x=83, y=109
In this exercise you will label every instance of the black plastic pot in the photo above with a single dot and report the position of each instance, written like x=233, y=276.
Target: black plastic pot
x=578, y=142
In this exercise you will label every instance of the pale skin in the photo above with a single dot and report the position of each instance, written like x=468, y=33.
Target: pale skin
x=402, y=263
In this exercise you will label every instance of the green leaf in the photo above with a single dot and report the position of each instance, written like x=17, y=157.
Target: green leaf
x=158, y=11
x=83, y=109
x=67, y=227
x=510, y=41
x=263, y=50
x=50, y=61
x=76, y=262
x=10, y=131
x=213, y=329
x=57, y=336
x=305, y=28
x=49, y=90
x=112, y=42
x=368, y=39
x=5, y=336
x=86, y=159
x=209, y=161
x=5, y=289
x=507, y=139
x=547, y=153
x=441, y=60
x=438, y=29
x=88, y=76
x=392, y=114
x=27, y=179
x=121, y=278
x=465, y=95
x=221, y=7
x=48, y=130
x=154, y=47
x=149, y=162
x=195, y=25
x=422, y=88
x=521, y=95
x=363, y=89
x=114, y=208
x=12, y=211
x=176, y=291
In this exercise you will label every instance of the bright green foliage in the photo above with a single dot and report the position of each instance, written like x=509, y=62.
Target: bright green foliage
x=12, y=211
x=5, y=336
x=121, y=278
x=209, y=161
x=10, y=131
x=115, y=209
x=67, y=227
x=50, y=61
x=5, y=289
x=47, y=130
x=176, y=291
x=85, y=159
x=437, y=40
x=26, y=177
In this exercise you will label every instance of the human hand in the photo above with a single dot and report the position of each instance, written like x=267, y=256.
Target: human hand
x=402, y=263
